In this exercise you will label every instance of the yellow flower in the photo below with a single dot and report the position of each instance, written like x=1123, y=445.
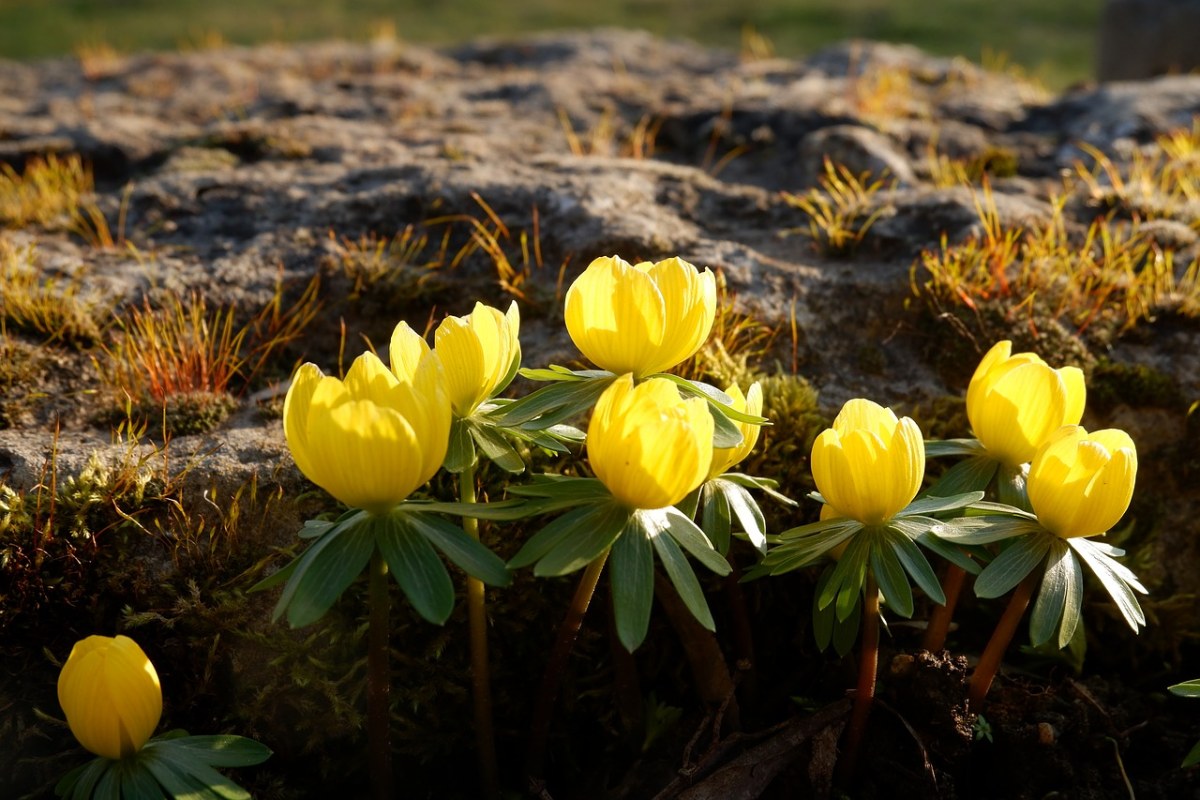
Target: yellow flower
x=478, y=351
x=1015, y=402
x=724, y=458
x=647, y=444
x=110, y=693
x=1080, y=484
x=869, y=465
x=373, y=438
x=644, y=318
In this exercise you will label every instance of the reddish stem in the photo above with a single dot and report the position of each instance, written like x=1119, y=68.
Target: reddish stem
x=993, y=654
x=864, y=695
x=939, y=620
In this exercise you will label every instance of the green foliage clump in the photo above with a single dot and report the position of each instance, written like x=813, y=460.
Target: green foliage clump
x=1139, y=385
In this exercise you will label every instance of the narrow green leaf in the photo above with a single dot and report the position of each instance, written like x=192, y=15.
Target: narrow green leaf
x=416, y=567
x=933, y=504
x=631, y=577
x=202, y=775
x=766, y=485
x=67, y=783
x=1011, y=566
x=1193, y=756
x=691, y=538
x=557, y=531
x=748, y=514
x=953, y=447
x=794, y=553
x=726, y=433
x=823, y=618
x=1114, y=579
x=848, y=575
x=222, y=750
x=680, y=573
x=812, y=529
x=1010, y=488
x=338, y=559
x=176, y=783
x=984, y=530
x=1186, y=689
x=109, y=786
x=916, y=565
x=700, y=389
x=969, y=475
x=497, y=510
x=1052, y=596
x=689, y=505
x=585, y=543
x=496, y=449
x=460, y=453
x=555, y=403
x=951, y=552
x=715, y=517
x=137, y=783
x=470, y=556
x=845, y=631
x=890, y=577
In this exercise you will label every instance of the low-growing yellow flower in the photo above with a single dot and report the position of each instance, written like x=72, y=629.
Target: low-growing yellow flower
x=1016, y=402
x=869, y=465
x=641, y=318
x=478, y=351
x=110, y=694
x=373, y=438
x=724, y=458
x=1080, y=483
x=647, y=444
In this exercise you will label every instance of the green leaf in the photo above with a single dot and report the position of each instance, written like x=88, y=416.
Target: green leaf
x=823, y=618
x=460, y=453
x=916, y=565
x=932, y=504
x=1186, y=689
x=79, y=782
x=715, y=517
x=680, y=573
x=200, y=774
x=1116, y=578
x=689, y=505
x=953, y=553
x=586, y=542
x=109, y=786
x=747, y=512
x=1010, y=487
x=848, y=575
x=985, y=530
x=416, y=567
x=1193, y=756
x=559, y=530
x=221, y=750
x=766, y=485
x=470, y=556
x=177, y=783
x=889, y=575
x=496, y=448
x=1011, y=566
x=497, y=510
x=969, y=475
x=812, y=529
x=555, y=403
x=726, y=433
x=137, y=783
x=328, y=566
x=557, y=492
x=691, y=538
x=1060, y=598
x=715, y=397
x=800, y=552
x=953, y=447
x=631, y=577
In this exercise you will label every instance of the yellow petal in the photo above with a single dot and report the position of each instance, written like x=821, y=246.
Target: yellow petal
x=1023, y=407
x=616, y=316
x=110, y=695
x=1076, y=388
x=369, y=379
x=405, y=351
x=725, y=458
x=690, y=304
x=295, y=414
x=1081, y=484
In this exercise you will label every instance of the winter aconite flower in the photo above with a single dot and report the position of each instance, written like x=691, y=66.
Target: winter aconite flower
x=1080, y=483
x=373, y=438
x=642, y=318
x=647, y=445
x=1016, y=402
x=110, y=694
x=480, y=353
x=724, y=458
x=869, y=465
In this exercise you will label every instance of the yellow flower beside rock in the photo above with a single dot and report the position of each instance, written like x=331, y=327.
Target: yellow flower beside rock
x=1080, y=483
x=1016, y=402
x=110, y=693
x=640, y=318
x=647, y=445
x=375, y=437
x=869, y=465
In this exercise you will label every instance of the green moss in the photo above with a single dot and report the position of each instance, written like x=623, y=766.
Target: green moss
x=20, y=365
x=1115, y=383
x=943, y=417
x=996, y=162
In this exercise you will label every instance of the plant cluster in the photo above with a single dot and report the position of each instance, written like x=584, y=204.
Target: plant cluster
x=842, y=211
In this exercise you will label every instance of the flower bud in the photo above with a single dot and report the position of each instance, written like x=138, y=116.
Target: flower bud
x=110, y=694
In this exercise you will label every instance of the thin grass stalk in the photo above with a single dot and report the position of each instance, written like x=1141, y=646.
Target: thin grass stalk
x=481, y=682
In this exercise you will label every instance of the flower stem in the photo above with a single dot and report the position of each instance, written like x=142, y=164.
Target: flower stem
x=989, y=662
x=864, y=694
x=556, y=665
x=485, y=738
x=379, y=680
x=939, y=620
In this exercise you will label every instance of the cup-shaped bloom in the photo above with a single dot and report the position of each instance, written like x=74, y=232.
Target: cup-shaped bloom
x=373, y=438
x=647, y=444
x=869, y=465
x=1016, y=402
x=478, y=351
x=724, y=458
x=640, y=318
x=1081, y=483
x=110, y=694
